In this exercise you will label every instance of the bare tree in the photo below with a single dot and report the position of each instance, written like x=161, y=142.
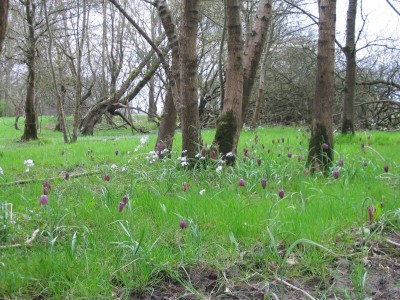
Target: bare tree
x=4, y=5
x=188, y=72
x=60, y=91
x=172, y=105
x=321, y=143
x=229, y=124
x=81, y=31
x=350, y=80
x=241, y=70
x=30, y=129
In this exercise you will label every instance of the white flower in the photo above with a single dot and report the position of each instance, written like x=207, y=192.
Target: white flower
x=198, y=155
x=184, y=151
x=1, y=171
x=144, y=139
x=29, y=163
x=218, y=169
x=202, y=192
x=124, y=168
x=114, y=167
x=229, y=154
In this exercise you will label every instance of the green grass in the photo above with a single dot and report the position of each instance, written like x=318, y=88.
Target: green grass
x=86, y=248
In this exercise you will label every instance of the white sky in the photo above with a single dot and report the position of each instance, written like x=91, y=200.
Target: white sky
x=382, y=21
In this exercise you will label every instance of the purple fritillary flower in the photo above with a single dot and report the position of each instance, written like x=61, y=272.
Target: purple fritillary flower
x=386, y=168
x=269, y=150
x=45, y=190
x=299, y=158
x=204, y=151
x=365, y=164
x=362, y=145
x=241, y=182
x=125, y=199
x=107, y=177
x=44, y=200
x=121, y=206
x=183, y=224
x=371, y=213
x=66, y=176
x=325, y=146
x=263, y=183
x=281, y=193
x=283, y=140
x=335, y=174
x=47, y=185
x=116, y=152
x=289, y=155
x=340, y=162
x=184, y=186
x=259, y=162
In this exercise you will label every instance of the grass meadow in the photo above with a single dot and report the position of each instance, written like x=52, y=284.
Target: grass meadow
x=212, y=232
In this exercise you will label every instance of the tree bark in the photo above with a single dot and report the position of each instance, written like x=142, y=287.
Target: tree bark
x=229, y=123
x=30, y=130
x=4, y=5
x=254, y=49
x=350, y=79
x=188, y=78
x=320, y=153
x=172, y=103
x=78, y=83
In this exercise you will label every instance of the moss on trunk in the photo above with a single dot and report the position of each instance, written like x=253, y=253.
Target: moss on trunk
x=224, y=136
x=320, y=157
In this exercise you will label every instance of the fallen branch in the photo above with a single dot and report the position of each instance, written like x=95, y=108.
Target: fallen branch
x=295, y=288
x=27, y=243
x=20, y=182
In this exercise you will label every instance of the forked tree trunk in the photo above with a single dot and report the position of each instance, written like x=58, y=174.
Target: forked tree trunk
x=4, y=4
x=188, y=73
x=254, y=50
x=250, y=62
x=229, y=123
x=30, y=130
x=350, y=80
x=320, y=153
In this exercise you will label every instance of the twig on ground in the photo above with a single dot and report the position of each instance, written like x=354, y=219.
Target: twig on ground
x=295, y=288
x=18, y=182
x=393, y=243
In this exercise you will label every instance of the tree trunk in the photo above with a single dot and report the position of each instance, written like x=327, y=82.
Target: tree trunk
x=172, y=104
x=350, y=80
x=30, y=130
x=254, y=49
x=320, y=150
x=188, y=72
x=228, y=126
x=166, y=131
x=4, y=4
x=78, y=80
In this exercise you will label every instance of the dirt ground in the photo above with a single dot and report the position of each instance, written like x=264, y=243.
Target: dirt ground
x=382, y=281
